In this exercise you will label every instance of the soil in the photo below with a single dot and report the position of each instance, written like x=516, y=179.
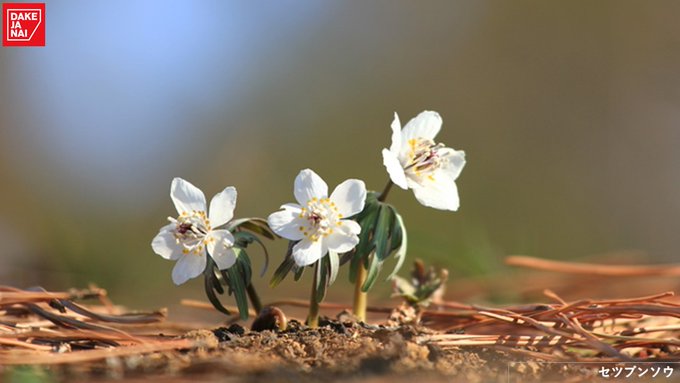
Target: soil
x=339, y=351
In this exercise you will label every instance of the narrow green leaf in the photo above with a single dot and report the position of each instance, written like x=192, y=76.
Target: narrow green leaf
x=298, y=271
x=284, y=268
x=396, y=232
x=368, y=222
x=253, y=238
x=381, y=236
x=321, y=270
x=346, y=257
x=354, y=266
x=212, y=284
x=245, y=268
x=211, y=273
x=371, y=202
x=254, y=224
x=401, y=253
x=333, y=266
x=238, y=287
x=373, y=270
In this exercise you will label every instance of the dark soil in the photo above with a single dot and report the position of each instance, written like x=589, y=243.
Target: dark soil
x=337, y=351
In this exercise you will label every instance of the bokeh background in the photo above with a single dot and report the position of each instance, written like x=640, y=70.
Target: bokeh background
x=569, y=113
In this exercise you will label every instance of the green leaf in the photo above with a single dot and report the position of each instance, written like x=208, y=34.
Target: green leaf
x=244, y=265
x=243, y=239
x=381, y=236
x=213, y=274
x=321, y=269
x=212, y=284
x=373, y=270
x=396, y=234
x=238, y=287
x=367, y=219
x=298, y=273
x=254, y=224
x=368, y=223
x=354, y=266
x=333, y=266
x=284, y=268
x=401, y=253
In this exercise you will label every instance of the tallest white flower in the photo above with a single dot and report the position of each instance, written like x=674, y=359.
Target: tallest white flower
x=415, y=161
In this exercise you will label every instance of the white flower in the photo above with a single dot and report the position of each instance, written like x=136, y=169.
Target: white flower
x=317, y=222
x=187, y=237
x=415, y=161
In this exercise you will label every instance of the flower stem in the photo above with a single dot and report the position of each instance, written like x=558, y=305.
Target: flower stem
x=254, y=298
x=360, y=297
x=383, y=196
x=313, y=316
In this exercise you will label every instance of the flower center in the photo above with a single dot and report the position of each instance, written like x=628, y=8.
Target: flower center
x=320, y=216
x=424, y=157
x=191, y=230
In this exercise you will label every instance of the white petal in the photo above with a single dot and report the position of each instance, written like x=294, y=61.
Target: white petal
x=441, y=193
x=165, y=244
x=394, y=169
x=349, y=197
x=309, y=185
x=219, y=246
x=307, y=252
x=351, y=227
x=222, y=207
x=425, y=125
x=344, y=238
x=455, y=164
x=187, y=267
x=287, y=222
x=186, y=196
x=396, y=134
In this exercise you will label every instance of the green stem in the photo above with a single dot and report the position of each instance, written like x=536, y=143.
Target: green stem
x=383, y=196
x=313, y=316
x=254, y=298
x=360, y=297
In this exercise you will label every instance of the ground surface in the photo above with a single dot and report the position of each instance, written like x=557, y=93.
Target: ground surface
x=337, y=351
x=80, y=336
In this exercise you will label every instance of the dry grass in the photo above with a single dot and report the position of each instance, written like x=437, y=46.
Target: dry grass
x=41, y=327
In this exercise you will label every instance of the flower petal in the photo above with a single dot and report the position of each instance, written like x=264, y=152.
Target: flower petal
x=351, y=227
x=395, y=147
x=307, y=252
x=165, y=244
x=455, y=162
x=425, y=125
x=394, y=169
x=440, y=193
x=344, y=238
x=287, y=222
x=186, y=196
x=187, y=267
x=222, y=207
x=219, y=246
x=309, y=185
x=349, y=197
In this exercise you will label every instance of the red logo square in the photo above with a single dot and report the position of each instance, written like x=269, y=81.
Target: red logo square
x=23, y=24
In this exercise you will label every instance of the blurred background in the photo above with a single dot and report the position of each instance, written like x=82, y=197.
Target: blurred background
x=568, y=112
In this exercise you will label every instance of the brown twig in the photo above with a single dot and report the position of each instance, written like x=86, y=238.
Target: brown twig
x=593, y=269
